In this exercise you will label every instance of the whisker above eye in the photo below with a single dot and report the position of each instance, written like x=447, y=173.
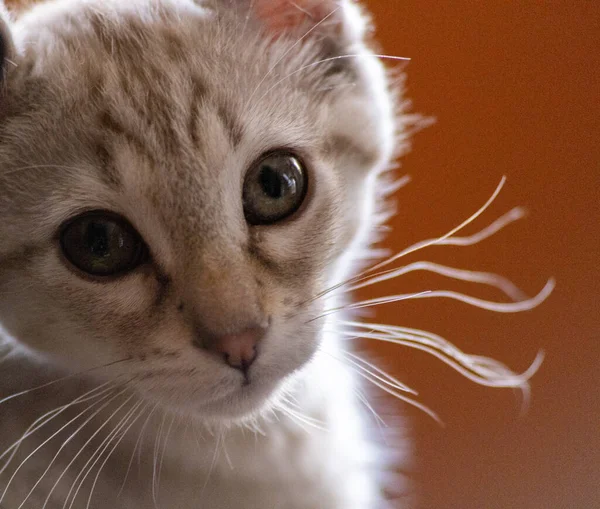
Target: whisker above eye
x=330, y=59
x=287, y=52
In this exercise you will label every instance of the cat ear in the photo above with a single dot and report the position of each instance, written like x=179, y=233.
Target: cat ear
x=287, y=15
x=7, y=48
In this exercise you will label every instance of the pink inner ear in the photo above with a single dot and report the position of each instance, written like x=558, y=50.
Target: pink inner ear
x=282, y=15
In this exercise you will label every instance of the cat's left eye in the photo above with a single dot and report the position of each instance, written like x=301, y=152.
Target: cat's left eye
x=275, y=187
x=101, y=243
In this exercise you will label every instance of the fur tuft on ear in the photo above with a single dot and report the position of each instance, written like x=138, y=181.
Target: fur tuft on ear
x=6, y=41
x=287, y=15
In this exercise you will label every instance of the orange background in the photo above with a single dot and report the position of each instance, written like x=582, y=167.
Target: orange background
x=515, y=88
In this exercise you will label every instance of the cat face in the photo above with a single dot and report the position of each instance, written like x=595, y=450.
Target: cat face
x=178, y=182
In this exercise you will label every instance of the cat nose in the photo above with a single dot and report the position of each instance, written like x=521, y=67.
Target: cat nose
x=239, y=350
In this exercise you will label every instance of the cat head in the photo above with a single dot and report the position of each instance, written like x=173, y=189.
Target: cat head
x=178, y=181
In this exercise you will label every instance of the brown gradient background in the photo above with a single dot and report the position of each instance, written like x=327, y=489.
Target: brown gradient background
x=515, y=88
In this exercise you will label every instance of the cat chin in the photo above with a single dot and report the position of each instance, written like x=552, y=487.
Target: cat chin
x=242, y=404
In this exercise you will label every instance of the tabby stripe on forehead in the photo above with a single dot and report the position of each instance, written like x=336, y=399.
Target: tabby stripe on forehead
x=234, y=130
x=110, y=175
x=111, y=123
x=197, y=93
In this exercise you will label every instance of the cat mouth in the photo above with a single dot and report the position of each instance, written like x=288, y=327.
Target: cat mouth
x=247, y=399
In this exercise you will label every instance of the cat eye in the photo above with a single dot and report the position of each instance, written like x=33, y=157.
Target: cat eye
x=100, y=243
x=274, y=188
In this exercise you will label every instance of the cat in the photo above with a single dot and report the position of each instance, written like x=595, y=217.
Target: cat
x=188, y=190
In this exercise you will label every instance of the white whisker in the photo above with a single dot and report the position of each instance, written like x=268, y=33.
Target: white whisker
x=155, y=460
x=446, y=239
x=481, y=370
x=300, y=418
x=401, y=397
x=65, y=443
x=498, y=307
x=438, y=240
x=42, y=445
x=494, y=280
x=330, y=59
x=164, y=448
x=287, y=52
x=361, y=397
x=369, y=303
x=49, y=416
x=383, y=376
x=214, y=460
x=90, y=459
x=118, y=441
x=16, y=395
x=137, y=443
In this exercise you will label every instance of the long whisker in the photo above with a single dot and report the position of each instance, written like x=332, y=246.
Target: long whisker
x=402, y=397
x=331, y=59
x=42, y=445
x=366, y=304
x=493, y=280
x=90, y=459
x=155, y=460
x=162, y=456
x=481, y=370
x=16, y=395
x=511, y=216
x=214, y=460
x=435, y=241
x=118, y=441
x=137, y=443
x=361, y=397
x=499, y=307
x=383, y=377
x=287, y=52
x=288, y=404
x=298, y=409
x=357, y=362
x=65, y=443
x=81, y=449
x=52, y=414
x=300, y=418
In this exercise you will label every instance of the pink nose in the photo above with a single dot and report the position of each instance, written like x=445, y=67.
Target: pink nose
x=239, y=350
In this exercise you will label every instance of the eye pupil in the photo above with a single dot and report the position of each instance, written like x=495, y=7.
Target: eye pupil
x=96, y=240
x=274, y=188
x=102, y=244
x=271, y=183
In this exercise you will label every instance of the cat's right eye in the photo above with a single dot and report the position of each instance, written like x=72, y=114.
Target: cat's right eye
x=102, y=244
